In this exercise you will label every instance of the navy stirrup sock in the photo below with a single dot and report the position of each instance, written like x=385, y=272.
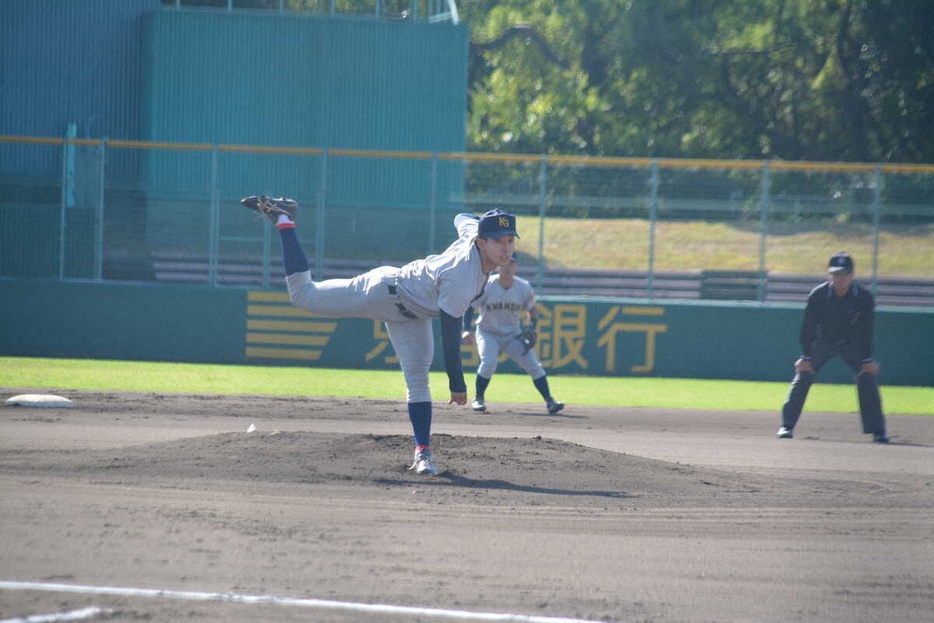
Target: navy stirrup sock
x=294, y=259
x=482, y=384
x=420, y=416
x=541, y=384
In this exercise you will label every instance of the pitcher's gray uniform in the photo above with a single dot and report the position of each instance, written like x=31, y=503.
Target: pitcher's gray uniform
x=406, y=298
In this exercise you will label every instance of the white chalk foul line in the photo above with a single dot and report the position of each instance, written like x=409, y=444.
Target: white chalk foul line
x=55, y=617
x=462, y=615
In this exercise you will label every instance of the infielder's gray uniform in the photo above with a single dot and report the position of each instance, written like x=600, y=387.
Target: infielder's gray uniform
x=499, y=326
x=405, y=298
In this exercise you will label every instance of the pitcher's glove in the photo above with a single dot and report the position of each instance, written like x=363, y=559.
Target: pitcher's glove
x=529, y=339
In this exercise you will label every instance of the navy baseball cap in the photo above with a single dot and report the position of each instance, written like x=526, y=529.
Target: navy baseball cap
x=496, y=224
x=840, y=262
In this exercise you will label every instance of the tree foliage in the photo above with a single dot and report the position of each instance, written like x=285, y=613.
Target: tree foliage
x=836, y=80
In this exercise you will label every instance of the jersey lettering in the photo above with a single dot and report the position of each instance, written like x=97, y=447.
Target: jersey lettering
x=504, y=306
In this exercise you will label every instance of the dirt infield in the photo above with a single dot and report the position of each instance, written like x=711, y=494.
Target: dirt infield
x=163, y=507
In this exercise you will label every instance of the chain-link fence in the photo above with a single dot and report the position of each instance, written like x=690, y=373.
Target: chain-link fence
x=760, y=231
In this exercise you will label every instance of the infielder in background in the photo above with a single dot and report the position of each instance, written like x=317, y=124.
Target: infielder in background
x=838, y=322
x=405, y=299
x=499, y=329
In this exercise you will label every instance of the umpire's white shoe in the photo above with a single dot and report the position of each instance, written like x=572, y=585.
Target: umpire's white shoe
x=478, y=405
x=554, y=406
x=423, y=463
x=785, y=433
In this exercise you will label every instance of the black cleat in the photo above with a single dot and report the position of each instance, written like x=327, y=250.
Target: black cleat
x=270, y=208
x=554, y=406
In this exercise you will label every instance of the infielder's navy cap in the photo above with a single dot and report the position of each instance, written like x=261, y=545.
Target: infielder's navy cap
x=496, y=224
x=840, y=262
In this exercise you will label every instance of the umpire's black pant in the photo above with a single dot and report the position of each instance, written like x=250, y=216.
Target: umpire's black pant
x=870, y=402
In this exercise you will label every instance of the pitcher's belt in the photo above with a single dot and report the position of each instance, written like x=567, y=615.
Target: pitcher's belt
x=402, y=310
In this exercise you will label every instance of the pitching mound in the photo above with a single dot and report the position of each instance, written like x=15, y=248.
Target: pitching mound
x=519, y=471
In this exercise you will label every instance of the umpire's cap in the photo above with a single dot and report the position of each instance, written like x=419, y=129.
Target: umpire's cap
x=840, y=262
x=496, y=224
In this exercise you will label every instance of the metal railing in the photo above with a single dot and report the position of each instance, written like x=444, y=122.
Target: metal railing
x=431, y=10
x=114, y=210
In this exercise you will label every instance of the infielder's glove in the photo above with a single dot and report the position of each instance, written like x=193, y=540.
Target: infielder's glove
x=529, y=339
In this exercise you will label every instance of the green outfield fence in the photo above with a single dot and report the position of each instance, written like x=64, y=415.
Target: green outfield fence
x=761, y=231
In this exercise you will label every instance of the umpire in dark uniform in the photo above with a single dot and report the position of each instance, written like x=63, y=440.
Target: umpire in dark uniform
x=838, y=322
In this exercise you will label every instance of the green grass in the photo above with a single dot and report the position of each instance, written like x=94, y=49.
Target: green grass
x=81, y=374
x=904, y=250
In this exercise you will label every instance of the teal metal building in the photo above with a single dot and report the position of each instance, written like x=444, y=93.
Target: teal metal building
x=115, y=73
x=152, y=70
x=286, y=80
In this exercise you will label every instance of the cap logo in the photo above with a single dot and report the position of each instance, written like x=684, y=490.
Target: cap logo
x=496, y=223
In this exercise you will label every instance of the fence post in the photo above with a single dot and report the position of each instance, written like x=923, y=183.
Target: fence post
x=267, y=250
x=764, y=228
x=99, y=228
x=63, y=204
x=542, y=200
x=69, y=185
x=432, y=203
x=213, y=222
x=653, y=217
x=320, y=214
x=876, y=224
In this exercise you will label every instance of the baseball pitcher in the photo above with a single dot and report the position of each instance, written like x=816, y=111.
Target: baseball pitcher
x=405, y=299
